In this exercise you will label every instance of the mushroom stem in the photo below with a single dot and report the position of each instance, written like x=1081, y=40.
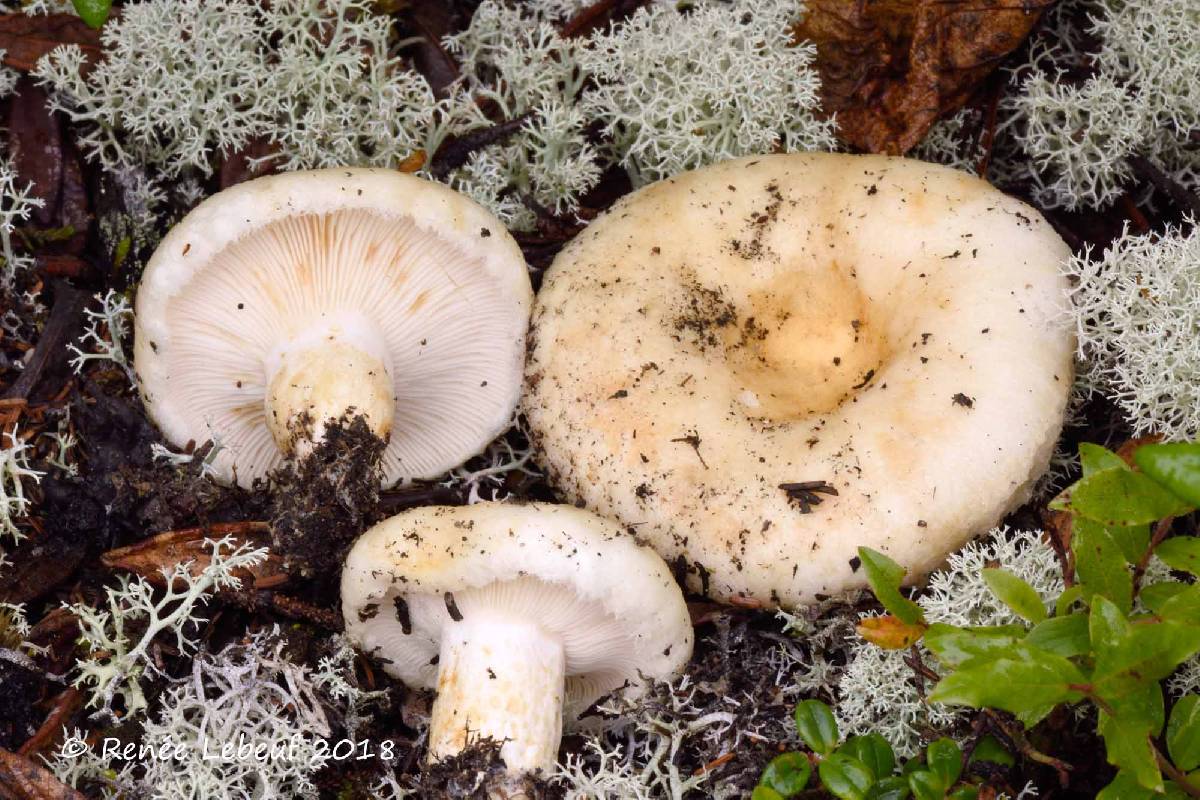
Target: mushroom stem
x=322, y=376
x=502, y=679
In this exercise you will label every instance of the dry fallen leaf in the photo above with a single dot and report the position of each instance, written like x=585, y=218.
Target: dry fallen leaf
x=891, y=68
x=22, y=779
x=24, y=38
x=890, y=633
x=150, y=557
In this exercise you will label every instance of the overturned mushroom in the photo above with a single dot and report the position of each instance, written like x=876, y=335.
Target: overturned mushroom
x=520, y=616
x=284, y=303
x=802, y=354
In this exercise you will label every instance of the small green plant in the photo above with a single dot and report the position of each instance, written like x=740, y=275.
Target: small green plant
x=865, y=767
x=1112, y=638
x=93, y=12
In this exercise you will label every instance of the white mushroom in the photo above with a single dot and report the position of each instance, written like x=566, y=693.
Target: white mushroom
x=285, y=302
x=520, y=616
x=772, y=361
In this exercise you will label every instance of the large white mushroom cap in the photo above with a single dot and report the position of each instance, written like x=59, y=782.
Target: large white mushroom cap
x=313, y=293
x=722, y=352
x=520, y=616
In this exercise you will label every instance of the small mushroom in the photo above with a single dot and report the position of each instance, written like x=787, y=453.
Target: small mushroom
x=520, y=616
x=286, y=302
x=802, y=354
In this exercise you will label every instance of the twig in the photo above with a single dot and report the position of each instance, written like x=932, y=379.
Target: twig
x=1017, y=737
x=1181, y=780
x=1180, y=195
x=1161, y=529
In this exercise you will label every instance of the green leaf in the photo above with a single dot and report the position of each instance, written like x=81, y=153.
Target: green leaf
x=1183, y=733
x=955, y=647
x=816, y=725
x=787, y=774
x=1183, y=606
x=884, y=576
x=1155, y=595
x=1100, y=564
x=944, y=759
x=1015, y=593
x=1095, y=458
x=1121, y=497
x=1026, y=682
x=845, y=777
x=873, y=751
x=1127, y=732
x=1126, y=787
x=765, y=793
x=1067, y=599
x=1107, y=625
x=93, y=12
x=989, y=749
x=1064, y=636
x=1148, y=652
x=1174, y=465
x=926, y=785
x=964, y=793
x=893, y=788
x=1181, y=553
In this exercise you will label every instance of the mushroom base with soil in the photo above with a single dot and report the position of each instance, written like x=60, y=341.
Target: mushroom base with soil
x=328, y=372
x=499, y=678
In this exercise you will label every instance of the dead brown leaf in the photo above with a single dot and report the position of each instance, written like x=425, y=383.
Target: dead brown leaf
x=889, y=632
x=891, y=68
x=150, y=557
x=1125, y=451
x=22, y=779
x=26, y=38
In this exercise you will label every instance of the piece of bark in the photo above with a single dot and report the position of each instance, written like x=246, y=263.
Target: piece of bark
x=51, y=354
x=35, y=144
x=22, y=779
x=891, y=68
x=148, y=558
x=25, y=38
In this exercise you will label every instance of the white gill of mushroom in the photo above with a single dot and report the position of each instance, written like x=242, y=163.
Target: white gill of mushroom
x=338, y=367
x=499, y=677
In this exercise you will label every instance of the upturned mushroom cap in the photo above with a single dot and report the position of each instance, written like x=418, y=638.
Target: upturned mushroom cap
x=414, y=582
x=311, y=293
x=772, y=361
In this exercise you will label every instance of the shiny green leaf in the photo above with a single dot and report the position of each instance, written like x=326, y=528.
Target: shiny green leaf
x=1064, y=636
x=845, y=777
x=1155, y=595
x=926, y=785
x=93, y=12
x=893, y=788
x=787, y=774
x=1015, y=593
x=1181, y=553
x=873, y=751
x=944, y=759
x=1095, y=458
x=817, y=726
x=989, y=749
x=1175, y=465
x=885, y=576
x=1121, y=497
x=1026, y=682
x=1100, y=564
x=1183, y=733
x=957, y=646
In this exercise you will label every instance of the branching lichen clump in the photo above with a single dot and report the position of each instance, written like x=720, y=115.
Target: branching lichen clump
x=249, y=694
x=877, y=693
x=312, y=79
x=117, y=663
x=317, y=85
x=1140, y=96
x=1137, y=316
x=678, y=90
